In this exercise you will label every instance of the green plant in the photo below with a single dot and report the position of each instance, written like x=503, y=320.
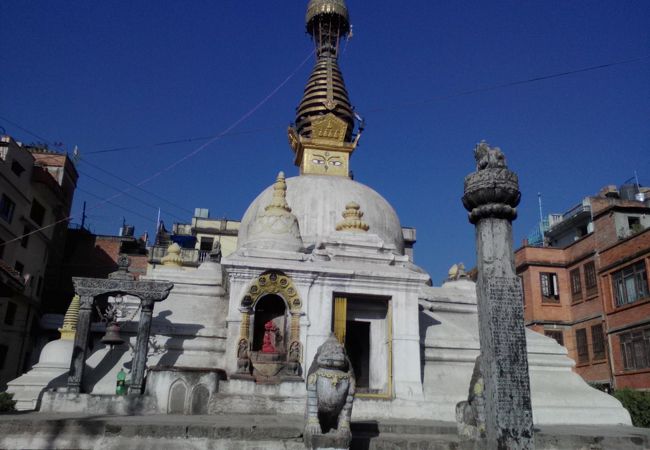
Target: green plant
x=638, y=405
x=6, y=402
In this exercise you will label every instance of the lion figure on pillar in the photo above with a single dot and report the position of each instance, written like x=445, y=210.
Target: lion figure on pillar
x=330, y=393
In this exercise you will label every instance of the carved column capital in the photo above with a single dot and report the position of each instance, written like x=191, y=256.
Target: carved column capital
x=493, y=190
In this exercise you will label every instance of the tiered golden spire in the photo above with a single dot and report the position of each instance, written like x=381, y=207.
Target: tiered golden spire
x=323, y=136
x=69, y=328
x=352, y=219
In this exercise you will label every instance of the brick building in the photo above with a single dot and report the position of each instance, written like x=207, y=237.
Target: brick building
x=36, y=191
x=587, y=286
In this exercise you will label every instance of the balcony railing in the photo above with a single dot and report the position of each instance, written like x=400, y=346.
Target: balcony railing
x=190, y=257
x=579, y=208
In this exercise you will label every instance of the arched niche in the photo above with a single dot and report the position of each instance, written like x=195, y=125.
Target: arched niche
x=177, y=395
x=200, y=400
x=271, y=301
x=269, y=309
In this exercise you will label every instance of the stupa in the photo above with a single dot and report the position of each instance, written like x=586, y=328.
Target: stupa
x=319, y=253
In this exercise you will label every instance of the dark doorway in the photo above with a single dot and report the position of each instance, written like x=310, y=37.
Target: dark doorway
x=357, y=345
x=269, y=308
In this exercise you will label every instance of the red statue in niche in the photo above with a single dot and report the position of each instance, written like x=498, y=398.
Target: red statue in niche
x=270, y=337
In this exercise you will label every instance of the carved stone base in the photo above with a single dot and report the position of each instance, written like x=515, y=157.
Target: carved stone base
x=329, y=441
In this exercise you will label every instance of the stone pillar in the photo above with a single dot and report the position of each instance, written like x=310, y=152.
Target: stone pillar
x=141, y=346
x=491, y=195
x=78, y=361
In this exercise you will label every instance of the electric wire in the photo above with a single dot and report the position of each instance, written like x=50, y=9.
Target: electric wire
x=123, y=180
x=274, y=91
x=177, y=162
x=392, y=107
x=144, y=202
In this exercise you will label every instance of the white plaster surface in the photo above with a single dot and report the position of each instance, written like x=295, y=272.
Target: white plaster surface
x=50, y=372
x=318, y=202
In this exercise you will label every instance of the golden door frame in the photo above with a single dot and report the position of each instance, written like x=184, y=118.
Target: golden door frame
x=339, y=328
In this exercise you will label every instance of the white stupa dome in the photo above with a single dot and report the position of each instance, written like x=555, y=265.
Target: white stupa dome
x=57, y=353
x=318, y=202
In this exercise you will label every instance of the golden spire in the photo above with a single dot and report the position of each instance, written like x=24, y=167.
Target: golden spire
x=70, y=320
x=352, y=219
x=278, y=203
x=323, y=136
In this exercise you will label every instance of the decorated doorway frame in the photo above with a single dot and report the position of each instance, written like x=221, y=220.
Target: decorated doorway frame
x=271, y=282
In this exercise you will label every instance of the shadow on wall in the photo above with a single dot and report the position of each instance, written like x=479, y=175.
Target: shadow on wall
x=178, y=334
x=424, y=321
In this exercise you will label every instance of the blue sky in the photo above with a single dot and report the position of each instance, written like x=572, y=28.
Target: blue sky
x=103, y=75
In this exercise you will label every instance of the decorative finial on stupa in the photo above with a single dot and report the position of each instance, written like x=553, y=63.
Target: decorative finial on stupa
x=457, y=272
x=173, y=257
x=352, y=219
x=70, y=320
x=277, y=227
x=278, y=203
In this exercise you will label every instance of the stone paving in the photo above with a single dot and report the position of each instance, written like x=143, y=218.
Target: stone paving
x=247, y=432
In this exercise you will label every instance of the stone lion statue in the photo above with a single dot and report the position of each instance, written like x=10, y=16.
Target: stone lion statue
x=330, y=393
x=488, y=157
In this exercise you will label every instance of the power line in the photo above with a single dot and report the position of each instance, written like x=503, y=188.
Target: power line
x=379, y=109
x=509, y=84
x=31, y=133
x=142, y=216
x=180, y=141
x=130, y=195
x=403, y=105
x=123, y=180
x=177, y=162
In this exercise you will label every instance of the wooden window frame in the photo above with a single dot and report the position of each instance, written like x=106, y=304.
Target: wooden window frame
x=582, y=346
x=591, y=278
x=635, y=349
x=598, y=348
x=550, y=288
x=576, y=284
x=635, y=272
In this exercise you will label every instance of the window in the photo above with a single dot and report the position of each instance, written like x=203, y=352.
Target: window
x=635, y=348
x=550, y=291
x=591, y=282
x=581, y=345
x=17, y=168
x=630, y=284
x=19, y=267
x=24, y=241
x=206, y=244
x=37, y=214
x=3, y=355
x=576, y=285
x=7, y=207
x=634, y=224
x=598, y=341
x=555, y=334
x=10, y=315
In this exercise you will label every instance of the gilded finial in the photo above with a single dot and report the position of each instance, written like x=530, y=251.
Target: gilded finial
x=352, y=219
x=173, y=256
x=70, y=320
x=457, y=272
x=278, y=203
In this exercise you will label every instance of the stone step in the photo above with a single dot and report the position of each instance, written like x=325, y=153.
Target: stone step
x=402, y=441
x=420, y=427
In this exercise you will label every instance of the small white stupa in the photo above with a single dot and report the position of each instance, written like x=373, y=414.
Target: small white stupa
x=53, y=364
